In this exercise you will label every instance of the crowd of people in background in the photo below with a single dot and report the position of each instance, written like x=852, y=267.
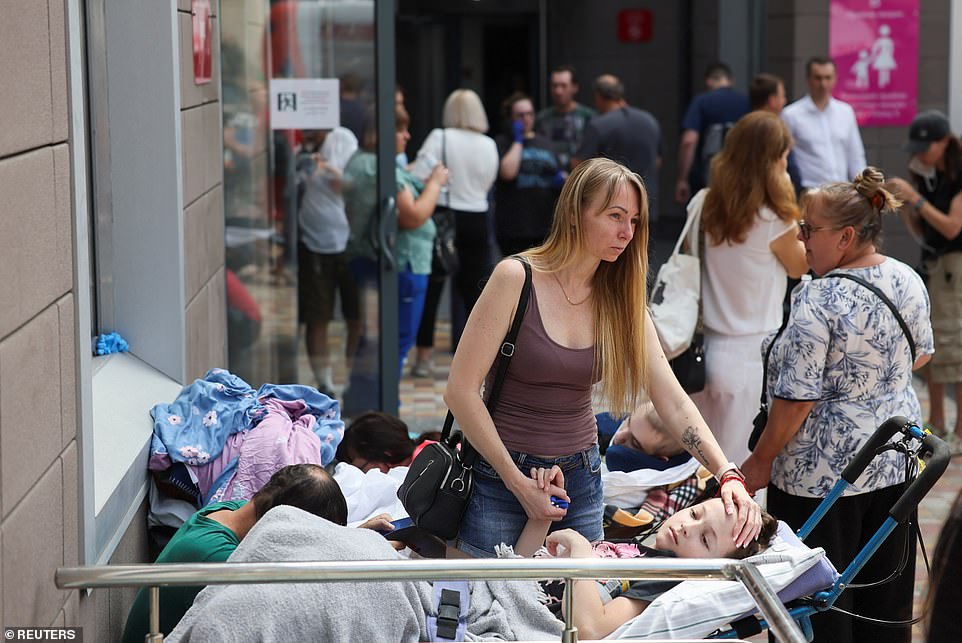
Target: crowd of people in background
x=785, y=193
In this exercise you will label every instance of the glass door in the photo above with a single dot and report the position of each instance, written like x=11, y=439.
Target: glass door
x=308, y=117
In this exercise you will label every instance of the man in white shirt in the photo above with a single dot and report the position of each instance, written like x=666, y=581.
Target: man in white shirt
x=828, y=145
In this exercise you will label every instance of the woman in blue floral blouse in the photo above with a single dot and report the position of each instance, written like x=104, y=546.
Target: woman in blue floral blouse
x=839, y=369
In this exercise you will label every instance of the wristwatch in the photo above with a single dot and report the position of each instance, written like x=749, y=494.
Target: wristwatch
x=917, y=206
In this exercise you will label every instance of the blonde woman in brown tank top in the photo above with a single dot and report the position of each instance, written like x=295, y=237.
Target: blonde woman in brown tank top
x=586, y=322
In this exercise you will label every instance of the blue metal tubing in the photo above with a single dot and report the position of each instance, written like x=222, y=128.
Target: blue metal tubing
x=827, y=598
x=911, y=429
x=863, y=556
x=823, y=508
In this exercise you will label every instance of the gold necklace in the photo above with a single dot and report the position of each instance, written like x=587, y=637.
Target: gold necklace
x=573, y=303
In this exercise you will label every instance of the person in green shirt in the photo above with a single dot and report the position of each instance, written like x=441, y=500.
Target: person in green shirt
x=214, y=532
x=413, y=249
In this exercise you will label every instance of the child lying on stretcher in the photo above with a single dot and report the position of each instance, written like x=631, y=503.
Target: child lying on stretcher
x=703, y=530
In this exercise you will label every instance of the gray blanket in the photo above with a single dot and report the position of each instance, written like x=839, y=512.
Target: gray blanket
x=346, y=611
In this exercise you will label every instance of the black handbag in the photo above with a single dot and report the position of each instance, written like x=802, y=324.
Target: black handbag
x=439, y=482
x=445, y=256
x=761, y=419
x=689, y=367
x=444, y=260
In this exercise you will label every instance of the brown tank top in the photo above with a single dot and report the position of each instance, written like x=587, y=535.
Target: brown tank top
x=545, y=403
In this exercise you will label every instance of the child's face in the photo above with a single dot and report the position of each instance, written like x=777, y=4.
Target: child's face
x=643, y=436
x=701, y=531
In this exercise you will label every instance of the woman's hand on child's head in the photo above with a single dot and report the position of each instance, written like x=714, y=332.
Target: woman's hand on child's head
x=568, y=543
x=748, y=523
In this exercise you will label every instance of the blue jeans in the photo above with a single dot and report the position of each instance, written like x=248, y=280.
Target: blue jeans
x=412, y=289
x=495, y=516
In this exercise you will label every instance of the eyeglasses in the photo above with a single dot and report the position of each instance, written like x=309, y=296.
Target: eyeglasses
x=807, y=229
x=522, y=114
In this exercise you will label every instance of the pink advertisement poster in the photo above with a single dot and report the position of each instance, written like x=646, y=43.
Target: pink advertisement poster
x=875, y=45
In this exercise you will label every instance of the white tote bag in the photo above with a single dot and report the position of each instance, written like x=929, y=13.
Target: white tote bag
x=673, y=303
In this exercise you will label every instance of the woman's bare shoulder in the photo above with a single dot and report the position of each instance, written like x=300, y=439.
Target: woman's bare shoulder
x=508, y=274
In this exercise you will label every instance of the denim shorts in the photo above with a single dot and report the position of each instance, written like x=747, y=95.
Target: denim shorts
x=495, y=516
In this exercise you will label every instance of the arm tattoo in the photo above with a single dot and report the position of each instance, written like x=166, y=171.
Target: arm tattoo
x=692, y=443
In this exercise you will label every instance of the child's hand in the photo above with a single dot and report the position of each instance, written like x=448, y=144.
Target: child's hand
x=551, y=481
x=568, y=543
x=380, y=522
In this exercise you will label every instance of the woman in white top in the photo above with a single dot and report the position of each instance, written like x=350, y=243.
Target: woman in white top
x=472, y=159
x=749, y=219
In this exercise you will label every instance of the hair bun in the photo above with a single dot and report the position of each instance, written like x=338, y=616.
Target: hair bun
x=869, y=181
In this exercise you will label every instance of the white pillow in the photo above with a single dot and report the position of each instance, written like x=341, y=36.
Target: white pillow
x=369, y=494
x=696, y=608
x=630, y=488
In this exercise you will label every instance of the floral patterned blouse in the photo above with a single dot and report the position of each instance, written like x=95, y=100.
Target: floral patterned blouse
x=843, y=348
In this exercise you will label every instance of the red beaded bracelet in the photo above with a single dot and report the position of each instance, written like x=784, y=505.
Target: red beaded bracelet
x=734, y=474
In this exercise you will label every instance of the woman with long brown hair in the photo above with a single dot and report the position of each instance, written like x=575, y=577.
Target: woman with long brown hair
x=749, y=220
x=585, y=322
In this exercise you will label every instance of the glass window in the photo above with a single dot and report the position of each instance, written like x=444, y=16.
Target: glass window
x=302, y=277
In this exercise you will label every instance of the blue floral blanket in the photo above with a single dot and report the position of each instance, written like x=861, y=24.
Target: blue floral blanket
x=194, y=428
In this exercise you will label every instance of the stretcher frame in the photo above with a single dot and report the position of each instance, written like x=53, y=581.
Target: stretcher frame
x=929, y=448
x=155, y=576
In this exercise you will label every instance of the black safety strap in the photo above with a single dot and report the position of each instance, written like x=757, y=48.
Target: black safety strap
x=468, y=454
x=449, y=611
x=886, y=301
x=746, y=627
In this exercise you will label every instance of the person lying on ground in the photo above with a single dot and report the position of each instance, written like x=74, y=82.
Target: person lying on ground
x=381, y=441
x=212, y=534
x=642, y=441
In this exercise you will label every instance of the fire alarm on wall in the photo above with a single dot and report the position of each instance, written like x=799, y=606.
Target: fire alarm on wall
x=634, y=25
x=200, y=10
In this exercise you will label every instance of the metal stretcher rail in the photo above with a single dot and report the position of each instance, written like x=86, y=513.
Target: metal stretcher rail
x=154, y=576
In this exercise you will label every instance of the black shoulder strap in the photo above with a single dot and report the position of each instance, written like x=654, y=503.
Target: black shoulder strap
x=507, y=346
x=886, y=301
x=768, y=354
x=504, y=359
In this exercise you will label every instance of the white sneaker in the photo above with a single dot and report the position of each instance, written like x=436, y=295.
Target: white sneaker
x=422, y=368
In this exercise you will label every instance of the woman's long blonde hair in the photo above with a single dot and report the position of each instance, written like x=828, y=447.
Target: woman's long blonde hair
x=744, y=177
x=618, y=287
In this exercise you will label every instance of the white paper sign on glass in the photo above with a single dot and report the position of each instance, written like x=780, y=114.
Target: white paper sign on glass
x=305, y=103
